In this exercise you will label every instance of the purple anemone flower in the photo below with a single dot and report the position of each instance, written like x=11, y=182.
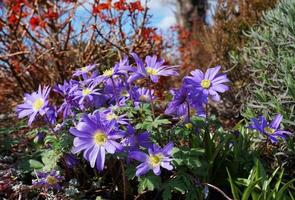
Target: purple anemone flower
x=270, y=130
x=39, y=137
x=33, y=104
x=133, y=141
x=143, y=95
x=86, y=93
x=112, y=89
x=84, y=70
x=51, y=115
x=67, y=90
x=157, y=157
x=209, y=83
x=95, y=137
x=152, y=69
x=109, y=115
x=183, y=101
x=120, y=68
x=48, y=180
x=71, y=160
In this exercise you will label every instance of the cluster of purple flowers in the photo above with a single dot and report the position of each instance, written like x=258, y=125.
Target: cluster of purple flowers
x=196, y=91
x=97, y=96
x=92, y=104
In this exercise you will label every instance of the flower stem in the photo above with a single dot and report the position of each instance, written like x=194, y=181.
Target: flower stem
x=218, y=190
x=114, y=89
x=50, y=126
x=188, y=112
x=207, y=110
x=152, y=100
x=124, y=180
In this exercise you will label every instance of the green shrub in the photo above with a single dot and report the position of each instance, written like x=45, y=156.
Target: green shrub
x=269, y=60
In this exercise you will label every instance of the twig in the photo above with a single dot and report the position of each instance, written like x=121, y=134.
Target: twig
x=218, y=190
x=14, y=54
x=124, y=180
x=107, y=40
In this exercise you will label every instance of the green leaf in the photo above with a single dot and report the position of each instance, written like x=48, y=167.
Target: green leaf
x=50, y=139
x=35, y=164
x=250, y=189
x=188, y=156
x=278, y=182
x=50, y=159
x=130, y=172
x=282, y=190
x=233, y=187
x=149, y=182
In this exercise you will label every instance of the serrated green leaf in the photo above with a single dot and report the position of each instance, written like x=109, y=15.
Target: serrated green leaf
x=149, y=182
x=50, y=159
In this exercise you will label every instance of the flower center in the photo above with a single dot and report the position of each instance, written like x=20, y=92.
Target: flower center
x=84, y=69
x=206, y=83
x=151, y=71
x=86, y=92
x=51, y=180
x=269, y=130
x=38, y=104
x=144, y=98
x=155, y=159
x=124, y=93
x=188, y=126
x=99, y=138
x=110, y=116
x=108, y=72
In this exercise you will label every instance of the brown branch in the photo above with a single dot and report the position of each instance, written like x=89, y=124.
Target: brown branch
x=108, y=41
x=33, y=38
x=218, y=190
x=14, y=54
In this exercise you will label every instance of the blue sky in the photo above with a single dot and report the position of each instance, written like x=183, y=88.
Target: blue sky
x=162, y=11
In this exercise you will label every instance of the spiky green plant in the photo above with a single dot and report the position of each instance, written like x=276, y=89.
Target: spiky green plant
x=269, y=59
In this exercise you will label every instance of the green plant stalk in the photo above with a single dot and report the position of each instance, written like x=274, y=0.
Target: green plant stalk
x=152, y=100
x=114, y=89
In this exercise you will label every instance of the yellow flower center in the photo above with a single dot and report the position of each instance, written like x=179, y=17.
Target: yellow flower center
x=38, y=104
x=86, y=91
x=99, y=138
x=84, y=69
x=51, y=180
x=108, y=72
x=188, y=126
x=151, y=71
x=155, y=159
x=206, y=83
x=269, y=130
x=124, y=93
x=110, y=116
